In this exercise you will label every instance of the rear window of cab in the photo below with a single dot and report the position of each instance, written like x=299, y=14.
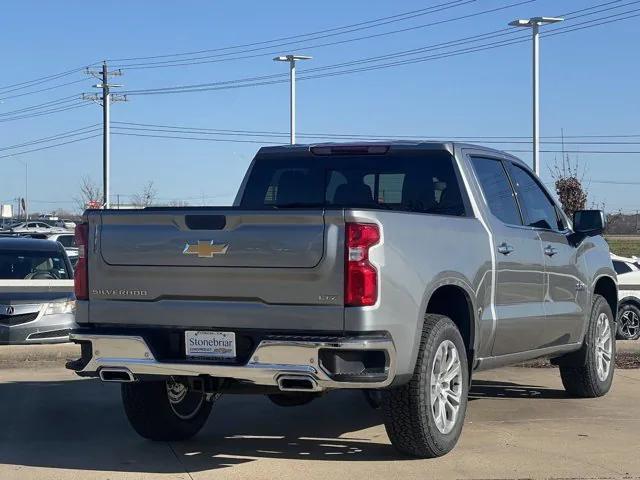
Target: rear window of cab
x=415, y=181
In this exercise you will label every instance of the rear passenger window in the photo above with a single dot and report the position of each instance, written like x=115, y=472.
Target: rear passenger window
x=538, y=209
x=497, y=189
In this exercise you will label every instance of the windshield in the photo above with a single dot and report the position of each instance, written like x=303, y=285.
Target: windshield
x=19, y=265
x=408, y=180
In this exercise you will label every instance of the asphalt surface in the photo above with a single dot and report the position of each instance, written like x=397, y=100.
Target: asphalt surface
x=519, y=425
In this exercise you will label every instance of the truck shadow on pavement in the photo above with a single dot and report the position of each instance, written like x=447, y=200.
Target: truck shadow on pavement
x=80, y=424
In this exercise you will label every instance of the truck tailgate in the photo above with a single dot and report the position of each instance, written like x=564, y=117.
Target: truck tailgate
x=217, y=268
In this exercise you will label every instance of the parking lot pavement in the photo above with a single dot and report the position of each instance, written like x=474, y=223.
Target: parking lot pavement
x=520, y=424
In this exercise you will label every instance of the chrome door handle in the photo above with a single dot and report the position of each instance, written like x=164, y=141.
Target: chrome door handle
x=505, y=249
x=549, y=251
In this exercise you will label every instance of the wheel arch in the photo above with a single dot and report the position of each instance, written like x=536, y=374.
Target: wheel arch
x=629, y=300
x=456, y=301
x=607, y=287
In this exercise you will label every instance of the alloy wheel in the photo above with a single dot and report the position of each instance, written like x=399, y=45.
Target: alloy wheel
x=446, y=386
x=184, y=402
x=629, y=324
x=603, y=346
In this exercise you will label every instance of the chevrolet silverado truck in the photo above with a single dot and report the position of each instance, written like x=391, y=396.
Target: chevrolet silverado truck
x=396, y=268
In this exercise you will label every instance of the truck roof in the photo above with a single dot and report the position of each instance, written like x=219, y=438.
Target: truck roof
x=446, y=145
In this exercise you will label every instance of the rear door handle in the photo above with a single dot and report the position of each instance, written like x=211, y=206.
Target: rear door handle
x=549, y=251
x=505, y=249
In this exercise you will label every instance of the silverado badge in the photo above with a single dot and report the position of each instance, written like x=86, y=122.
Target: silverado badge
x=205, y=249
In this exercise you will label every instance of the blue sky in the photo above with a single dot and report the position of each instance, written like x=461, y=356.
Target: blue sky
x=589, y=86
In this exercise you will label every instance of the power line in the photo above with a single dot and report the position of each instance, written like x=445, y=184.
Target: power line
x=352, y=135
x=278, y=78
x=58, y=136
x=50, y=146
x=408, y=15
x=39, y=106
x=45, y=112
x=233, y=55
x=38, y=81
x=42, y=89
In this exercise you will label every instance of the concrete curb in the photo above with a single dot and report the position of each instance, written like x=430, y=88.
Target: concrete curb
x=628, y=346
x=35, y=356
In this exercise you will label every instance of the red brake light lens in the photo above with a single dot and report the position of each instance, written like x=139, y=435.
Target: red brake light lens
x=81, y=275
x=361, y=277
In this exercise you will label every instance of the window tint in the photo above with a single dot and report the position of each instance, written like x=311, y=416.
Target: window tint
x=407, y=181
x=497, y=189
x=18, y=265
x=621, y=267
x=538, y=210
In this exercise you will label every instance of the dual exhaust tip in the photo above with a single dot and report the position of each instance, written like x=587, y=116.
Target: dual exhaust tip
x=297, y=383
x=286, y=383
x=118, y=375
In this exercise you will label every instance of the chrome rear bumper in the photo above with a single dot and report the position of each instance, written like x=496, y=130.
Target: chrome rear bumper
x=272, y=361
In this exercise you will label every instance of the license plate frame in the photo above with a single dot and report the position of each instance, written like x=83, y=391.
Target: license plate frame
x=210, y=345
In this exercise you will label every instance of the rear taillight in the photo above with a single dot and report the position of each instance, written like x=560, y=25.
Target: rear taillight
x=81, y=275
x=361, y=277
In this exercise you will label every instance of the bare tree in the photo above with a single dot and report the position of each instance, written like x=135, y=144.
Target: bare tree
x=90, y=194
x=569, y=185
x=146, y=197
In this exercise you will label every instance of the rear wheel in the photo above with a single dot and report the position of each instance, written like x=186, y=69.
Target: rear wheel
x=589, y=372
x=424, y=418
x=165, y=410
x=628, y=322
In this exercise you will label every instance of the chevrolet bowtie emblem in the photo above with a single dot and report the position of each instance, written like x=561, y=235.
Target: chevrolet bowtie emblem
x=205, y=249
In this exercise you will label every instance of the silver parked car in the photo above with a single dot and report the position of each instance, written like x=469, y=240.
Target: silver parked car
x=36, y=292
x=34, y=227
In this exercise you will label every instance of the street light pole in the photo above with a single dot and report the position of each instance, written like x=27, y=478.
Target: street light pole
x=292, y=91
x=534, y=23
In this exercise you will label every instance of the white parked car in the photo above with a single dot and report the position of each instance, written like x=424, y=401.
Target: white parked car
x=34, y=227
x=66, y=224
x=68, y=241
x=628, y=270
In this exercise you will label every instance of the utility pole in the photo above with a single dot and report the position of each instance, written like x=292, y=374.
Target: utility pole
x=292, y=91
x=105, y=100
x=534, y=23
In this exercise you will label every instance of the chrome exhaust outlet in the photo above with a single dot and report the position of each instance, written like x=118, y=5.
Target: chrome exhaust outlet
x=115, y=374
x=297, y=383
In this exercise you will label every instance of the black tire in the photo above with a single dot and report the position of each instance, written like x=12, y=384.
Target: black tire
x=408, y=415
x=579, y=371
x=291, y=399
x=153, y=416
x=628, y=324
x=373, y=398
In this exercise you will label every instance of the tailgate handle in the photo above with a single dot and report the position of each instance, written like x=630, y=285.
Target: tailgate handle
x=205, y=222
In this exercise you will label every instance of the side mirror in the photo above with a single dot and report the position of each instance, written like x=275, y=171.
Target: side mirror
x=589, y=222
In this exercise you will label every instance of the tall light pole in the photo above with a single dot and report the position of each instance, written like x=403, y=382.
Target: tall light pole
x=292, y=90
x=534, y=23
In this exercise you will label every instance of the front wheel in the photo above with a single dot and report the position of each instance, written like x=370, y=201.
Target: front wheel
x=588, y=373
x=165, y=410
x=424, y=418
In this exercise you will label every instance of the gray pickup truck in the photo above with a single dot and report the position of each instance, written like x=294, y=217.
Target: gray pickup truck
x=396, y=268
